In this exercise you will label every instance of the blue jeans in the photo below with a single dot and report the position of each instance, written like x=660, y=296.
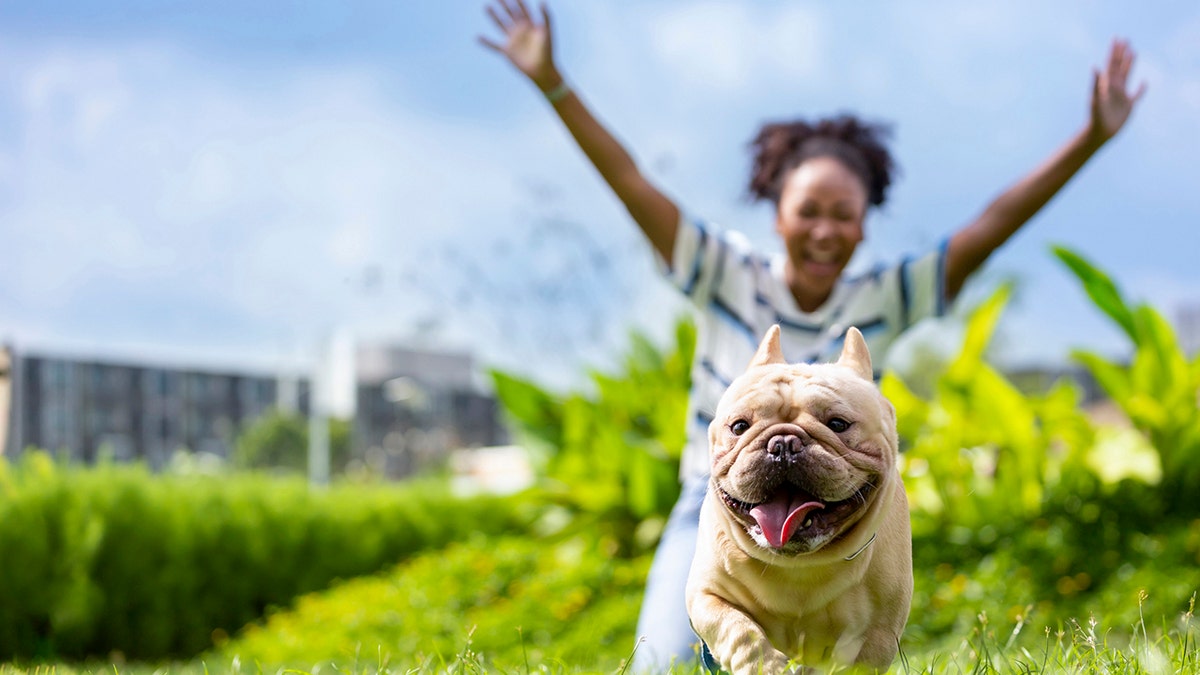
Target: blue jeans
x=663, y=625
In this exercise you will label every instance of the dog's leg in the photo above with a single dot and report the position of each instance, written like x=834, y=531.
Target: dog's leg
x=878, y=649
x=736, y=641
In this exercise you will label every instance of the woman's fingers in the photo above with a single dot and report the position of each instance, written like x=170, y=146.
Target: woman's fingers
x=508, y=10
x=524, y=11
x=491, y=11
x=494, y=46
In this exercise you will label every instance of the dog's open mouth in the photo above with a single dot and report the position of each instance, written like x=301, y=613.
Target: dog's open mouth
x=793, y=513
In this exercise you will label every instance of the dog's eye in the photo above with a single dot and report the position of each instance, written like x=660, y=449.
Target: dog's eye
x=838, y=425
x=739, y=427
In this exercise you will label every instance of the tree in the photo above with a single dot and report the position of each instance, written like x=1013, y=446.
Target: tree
x=279, y=440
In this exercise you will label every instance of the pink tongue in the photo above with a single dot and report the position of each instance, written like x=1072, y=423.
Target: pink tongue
x=780, y=517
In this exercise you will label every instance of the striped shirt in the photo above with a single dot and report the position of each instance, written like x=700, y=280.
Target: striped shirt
x=740, y=293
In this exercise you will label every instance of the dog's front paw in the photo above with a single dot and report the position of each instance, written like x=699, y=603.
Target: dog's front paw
x=773, y=662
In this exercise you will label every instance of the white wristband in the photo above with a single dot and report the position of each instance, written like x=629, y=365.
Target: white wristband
x=558, y=93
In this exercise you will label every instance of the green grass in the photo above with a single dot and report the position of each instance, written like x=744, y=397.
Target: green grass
x=1022, y=644
x=1088, y=647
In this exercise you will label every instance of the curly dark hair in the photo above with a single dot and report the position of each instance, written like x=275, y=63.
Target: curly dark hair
x=780, y=147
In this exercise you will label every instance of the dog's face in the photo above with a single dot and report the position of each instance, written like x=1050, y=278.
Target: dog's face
x=800, y=451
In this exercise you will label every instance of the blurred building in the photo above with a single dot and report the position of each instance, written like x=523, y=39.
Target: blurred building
x=415, y=406
x=85, y=409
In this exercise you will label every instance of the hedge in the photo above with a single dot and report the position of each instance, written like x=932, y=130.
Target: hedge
x=114, y=559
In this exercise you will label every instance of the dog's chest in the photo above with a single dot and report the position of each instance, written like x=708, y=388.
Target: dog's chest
x=809, y=612
x=816, y=634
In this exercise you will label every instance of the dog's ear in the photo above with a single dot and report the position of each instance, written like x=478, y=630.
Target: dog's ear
x=855, y=355
x=769, y=351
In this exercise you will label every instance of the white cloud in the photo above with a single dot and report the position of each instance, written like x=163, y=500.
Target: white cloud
x=732, y=47
x=56, y=89
x=981, y=56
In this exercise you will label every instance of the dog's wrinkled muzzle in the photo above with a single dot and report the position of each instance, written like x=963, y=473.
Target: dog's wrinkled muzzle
x=792, y=504
x=779, y=517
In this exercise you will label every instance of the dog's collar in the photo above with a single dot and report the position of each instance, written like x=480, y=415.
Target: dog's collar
x=862, y=548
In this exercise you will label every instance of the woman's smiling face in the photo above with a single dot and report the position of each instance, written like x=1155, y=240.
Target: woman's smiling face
x=820, y=215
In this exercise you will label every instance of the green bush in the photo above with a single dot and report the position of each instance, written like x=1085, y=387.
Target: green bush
x=113, y=558
x=980, y=454
x=510, y=601
x=1158, y=388
x=1020, y=502
x=1096, y=550
x=610, y=458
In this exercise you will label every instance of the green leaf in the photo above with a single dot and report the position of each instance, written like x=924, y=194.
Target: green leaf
x=538, y=413
x=1160, y=343
x=1101, y=289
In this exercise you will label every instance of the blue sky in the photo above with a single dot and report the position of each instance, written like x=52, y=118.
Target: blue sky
x=227, y=183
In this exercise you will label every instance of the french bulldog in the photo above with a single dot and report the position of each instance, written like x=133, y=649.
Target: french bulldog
x=804, y=555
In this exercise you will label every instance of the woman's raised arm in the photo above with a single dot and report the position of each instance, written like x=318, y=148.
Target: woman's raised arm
x=528, y=45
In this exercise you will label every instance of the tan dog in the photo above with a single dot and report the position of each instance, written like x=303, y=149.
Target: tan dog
x=805, y=551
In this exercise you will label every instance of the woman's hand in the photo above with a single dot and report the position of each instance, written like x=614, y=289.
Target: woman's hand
x=527, y=44
x=1111, y=100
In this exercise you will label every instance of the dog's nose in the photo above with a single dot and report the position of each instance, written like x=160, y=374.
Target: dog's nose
x=783, y=446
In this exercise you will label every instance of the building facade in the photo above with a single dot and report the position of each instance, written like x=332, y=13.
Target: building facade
x=84, y=410
x=412, y=408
